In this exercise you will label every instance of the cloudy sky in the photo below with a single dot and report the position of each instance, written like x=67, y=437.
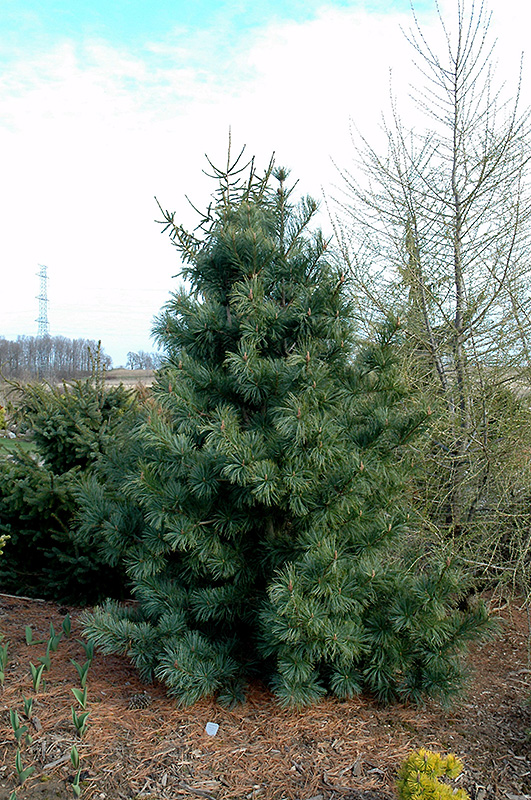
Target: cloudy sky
x=105, y=104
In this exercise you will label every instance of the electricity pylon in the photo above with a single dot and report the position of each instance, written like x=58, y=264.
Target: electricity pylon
x=42, y=297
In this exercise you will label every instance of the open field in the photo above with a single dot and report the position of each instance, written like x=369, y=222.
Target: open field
x=15, y=445
x=129, y=377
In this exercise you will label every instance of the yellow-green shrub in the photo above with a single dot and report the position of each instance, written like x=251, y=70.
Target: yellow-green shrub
x=418, y=778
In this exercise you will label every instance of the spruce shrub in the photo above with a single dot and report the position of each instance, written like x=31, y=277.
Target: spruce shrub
x=71, y=427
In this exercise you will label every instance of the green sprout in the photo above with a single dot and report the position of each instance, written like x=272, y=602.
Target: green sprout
x=81, y=696
x=67, y=626
x=36, y=674
x=45, y=661
x=3, y=661
x=20, y=731
x=74, y=758
x=29, y=637
x=28, y=706
x=80, y=721
x=82, y=670
x=22, y=773
x=88, y=647
x=53, y=641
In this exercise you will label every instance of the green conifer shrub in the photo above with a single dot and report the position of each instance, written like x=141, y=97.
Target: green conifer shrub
x=272, y=482
x=71, y=426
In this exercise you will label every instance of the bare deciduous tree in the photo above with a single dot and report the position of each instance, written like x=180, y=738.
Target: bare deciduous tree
x=50, y=357
x=437, y=230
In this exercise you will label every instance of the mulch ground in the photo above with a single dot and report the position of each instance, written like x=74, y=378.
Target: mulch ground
x=336, y=750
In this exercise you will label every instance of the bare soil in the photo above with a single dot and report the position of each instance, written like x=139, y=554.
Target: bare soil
x=335, y=750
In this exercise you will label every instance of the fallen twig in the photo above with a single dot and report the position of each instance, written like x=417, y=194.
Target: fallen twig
x=200, y=792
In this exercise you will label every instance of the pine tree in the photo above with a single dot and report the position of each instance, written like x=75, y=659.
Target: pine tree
x=272, y=481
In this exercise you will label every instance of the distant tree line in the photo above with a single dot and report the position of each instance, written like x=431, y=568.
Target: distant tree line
x=48, y=357
x=142, y=360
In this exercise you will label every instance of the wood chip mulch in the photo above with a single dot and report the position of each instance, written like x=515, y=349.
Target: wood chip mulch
x=347, y=750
